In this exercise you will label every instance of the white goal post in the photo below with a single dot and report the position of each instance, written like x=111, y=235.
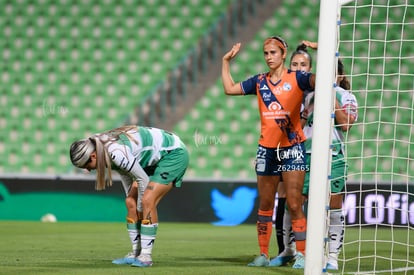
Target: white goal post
x=321, y=138
x=375, y=41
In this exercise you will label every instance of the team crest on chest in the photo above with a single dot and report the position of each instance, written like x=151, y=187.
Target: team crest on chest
x=287, y=87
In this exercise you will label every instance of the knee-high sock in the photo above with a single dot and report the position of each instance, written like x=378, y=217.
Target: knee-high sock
x=264, y=230
x=288, y=236
x=299, y=229
x=148, y=235
x=279, y=224
x=134, y=235
x=336, y=232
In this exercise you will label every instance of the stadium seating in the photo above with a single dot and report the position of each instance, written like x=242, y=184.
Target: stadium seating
x=234, y=156
x=237, y=119
x=72, y=68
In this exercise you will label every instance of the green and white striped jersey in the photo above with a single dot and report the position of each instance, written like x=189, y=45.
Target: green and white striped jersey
x=347, y=101
x=139, y=149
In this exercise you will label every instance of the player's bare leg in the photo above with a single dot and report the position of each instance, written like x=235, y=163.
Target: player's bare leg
x=149, y=225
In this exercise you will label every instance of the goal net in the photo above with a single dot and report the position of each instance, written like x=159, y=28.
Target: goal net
x=376, y=45
x=375, y=41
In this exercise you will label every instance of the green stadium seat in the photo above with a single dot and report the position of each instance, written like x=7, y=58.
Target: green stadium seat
x=84, y=64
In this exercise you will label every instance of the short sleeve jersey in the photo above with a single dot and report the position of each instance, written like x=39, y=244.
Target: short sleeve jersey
x=348, y=103
x=140, y=149
x=279, y=106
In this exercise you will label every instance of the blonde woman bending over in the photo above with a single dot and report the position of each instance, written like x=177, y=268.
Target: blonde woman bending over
x=150, y=162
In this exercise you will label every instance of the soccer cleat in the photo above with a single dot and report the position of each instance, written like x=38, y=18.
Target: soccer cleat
x=128, y=259
x=331, y=266
x=142, y=261
x=261, y=260
x=299, y=261
x=281, y=260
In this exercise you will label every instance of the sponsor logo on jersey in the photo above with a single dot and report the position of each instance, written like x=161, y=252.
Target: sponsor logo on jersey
x=274, y=106
x=267, y=96
x=276, y=90
x=275, y=111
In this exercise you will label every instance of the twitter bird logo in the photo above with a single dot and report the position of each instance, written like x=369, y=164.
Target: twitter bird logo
x=235, y=209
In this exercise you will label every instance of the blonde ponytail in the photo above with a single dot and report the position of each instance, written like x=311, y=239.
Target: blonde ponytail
x=103, y=164
x=103, y=160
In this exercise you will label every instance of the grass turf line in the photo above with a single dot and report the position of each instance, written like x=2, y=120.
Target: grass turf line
x=89, y=247
x=180, y=248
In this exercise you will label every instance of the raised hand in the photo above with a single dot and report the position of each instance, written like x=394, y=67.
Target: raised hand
x=233, y=52
x=310, y=44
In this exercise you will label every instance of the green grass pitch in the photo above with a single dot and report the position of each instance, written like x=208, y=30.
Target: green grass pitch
x=180, y=248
